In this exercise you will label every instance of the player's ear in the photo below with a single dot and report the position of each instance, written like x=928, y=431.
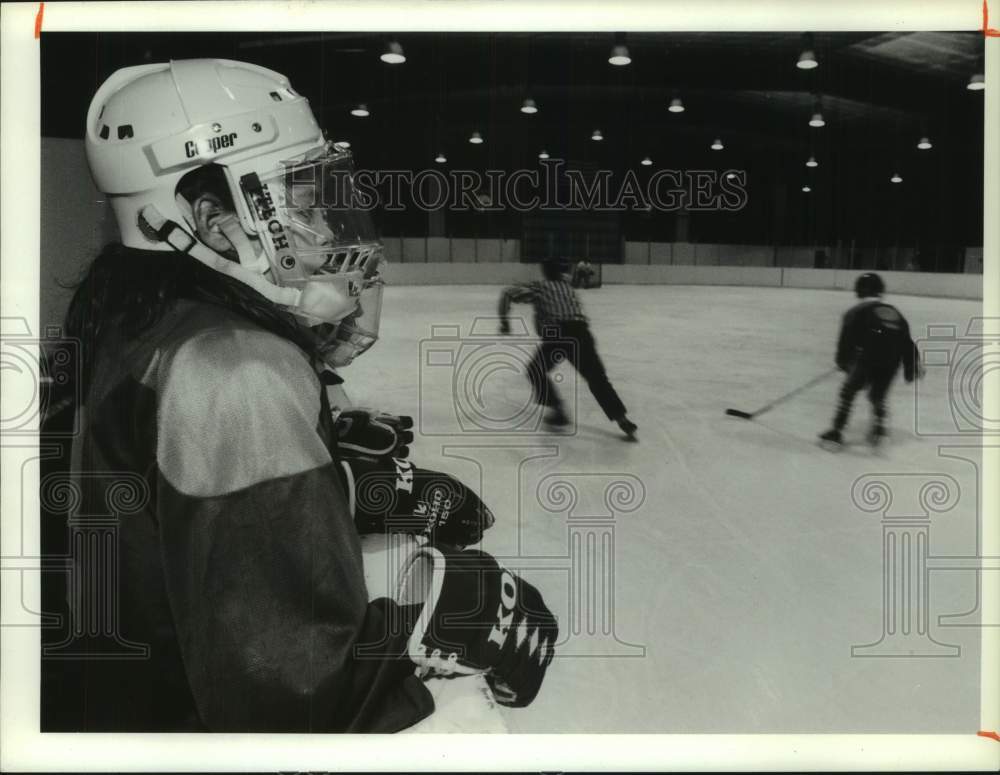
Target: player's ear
x=206, y=210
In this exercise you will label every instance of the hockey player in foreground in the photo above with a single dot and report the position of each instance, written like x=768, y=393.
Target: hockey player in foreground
x=206, y=338
x=565, y=333
x=874, y=340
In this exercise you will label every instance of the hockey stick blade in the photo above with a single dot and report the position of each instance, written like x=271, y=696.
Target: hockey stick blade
x=768, y=407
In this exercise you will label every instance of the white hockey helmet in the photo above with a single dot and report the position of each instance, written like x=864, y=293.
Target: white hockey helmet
x=301, y=240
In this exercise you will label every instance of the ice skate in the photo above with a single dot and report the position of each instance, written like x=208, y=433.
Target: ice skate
x=556, y=418
x=831, y=441
x=628, y=427
x=876, y=436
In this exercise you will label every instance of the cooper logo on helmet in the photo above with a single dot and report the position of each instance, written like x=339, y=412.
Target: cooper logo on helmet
x=209, y=145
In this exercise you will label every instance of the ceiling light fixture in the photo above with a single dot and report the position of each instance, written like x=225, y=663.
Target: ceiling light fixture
x=543, y=155
x=619, y=56
x=440, y=158
x=977, y=82
x=924, y=144
x=476, y=139
x=812, y=162
x=646, y=162
x=807, y=60
x=806, y=189
x=895, y=178
x=597, y=136
x=717, y=145
x=529, y=106
x=817, y=120
x=393, y=54
x=676, y=106
x=361, y=111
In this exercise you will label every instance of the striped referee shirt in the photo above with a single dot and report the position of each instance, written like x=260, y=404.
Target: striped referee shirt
x=554, y=300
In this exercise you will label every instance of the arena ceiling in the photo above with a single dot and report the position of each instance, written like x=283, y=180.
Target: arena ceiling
x=879, y=93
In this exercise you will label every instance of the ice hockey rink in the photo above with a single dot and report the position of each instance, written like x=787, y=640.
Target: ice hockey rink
x=721, y=575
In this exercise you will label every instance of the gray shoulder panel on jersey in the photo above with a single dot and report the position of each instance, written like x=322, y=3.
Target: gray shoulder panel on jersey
x=237, y=406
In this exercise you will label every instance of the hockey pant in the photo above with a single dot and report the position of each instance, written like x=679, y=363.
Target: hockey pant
x=858, y=378
x=572, y=341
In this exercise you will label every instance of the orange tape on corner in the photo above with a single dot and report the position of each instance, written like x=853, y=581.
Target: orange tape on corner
x=990, y=735
x=38, y=20
x=988, y=31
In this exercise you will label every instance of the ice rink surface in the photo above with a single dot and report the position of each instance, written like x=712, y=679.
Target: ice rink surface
x=714, y=577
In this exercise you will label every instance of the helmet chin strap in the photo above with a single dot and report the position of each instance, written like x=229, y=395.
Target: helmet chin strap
x=169, y=232
x=249, y=259
x=317, y=299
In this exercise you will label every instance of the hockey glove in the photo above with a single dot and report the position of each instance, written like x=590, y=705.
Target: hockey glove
x=913, y=368
x=913, y=372
x=394, y=496
x=478, y=617
x=370, y=434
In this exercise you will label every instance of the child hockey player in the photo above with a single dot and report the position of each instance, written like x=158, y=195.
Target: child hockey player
x=874, y=339
x=583, y=275
x=238, y=574
x=560, y=321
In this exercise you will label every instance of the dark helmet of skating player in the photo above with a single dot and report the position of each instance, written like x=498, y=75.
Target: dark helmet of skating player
x=869, y=284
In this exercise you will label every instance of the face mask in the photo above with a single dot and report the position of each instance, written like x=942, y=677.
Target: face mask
x=327, y=299
x=354, y=334
x=313, y=252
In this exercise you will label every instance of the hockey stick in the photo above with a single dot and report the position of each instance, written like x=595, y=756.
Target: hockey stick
x=775, y=402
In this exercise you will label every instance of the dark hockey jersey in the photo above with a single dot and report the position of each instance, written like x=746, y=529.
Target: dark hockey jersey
x=235, y=596
x=876, y=335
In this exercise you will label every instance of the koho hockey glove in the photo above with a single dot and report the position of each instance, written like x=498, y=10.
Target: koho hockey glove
x=394, y=496
x=478, y=617
x=371, y=434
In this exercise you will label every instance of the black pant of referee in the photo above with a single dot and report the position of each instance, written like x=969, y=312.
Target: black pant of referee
x=571, y=340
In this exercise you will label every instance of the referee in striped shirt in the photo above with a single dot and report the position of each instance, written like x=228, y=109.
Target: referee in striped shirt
x=565, y=333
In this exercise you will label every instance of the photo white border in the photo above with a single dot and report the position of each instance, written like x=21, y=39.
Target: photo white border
x=23, y=748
